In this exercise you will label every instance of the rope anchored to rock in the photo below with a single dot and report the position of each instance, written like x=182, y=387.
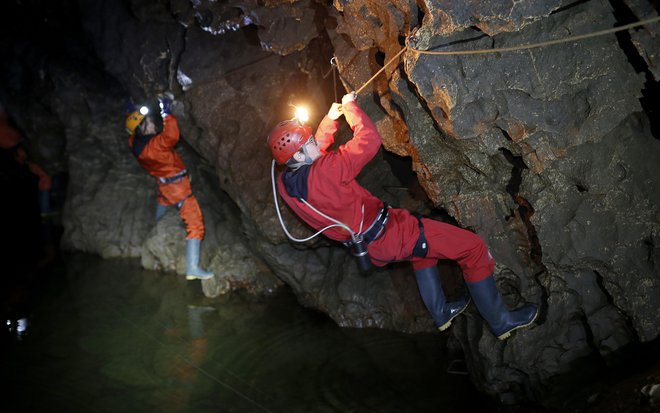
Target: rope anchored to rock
x=540, y=44
x=511, y=48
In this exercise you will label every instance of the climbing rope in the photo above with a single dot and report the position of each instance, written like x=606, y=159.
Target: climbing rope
x=540, y=44
x=511, y=48
x=333, y=69
x=333, y=62
x=357, y=92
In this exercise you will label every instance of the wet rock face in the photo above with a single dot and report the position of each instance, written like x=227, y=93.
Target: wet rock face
x=546, y=153
x=533, y=150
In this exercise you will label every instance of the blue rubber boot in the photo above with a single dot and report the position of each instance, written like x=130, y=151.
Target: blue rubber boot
x=193, y=272
x=430, y=288
x=491, y=307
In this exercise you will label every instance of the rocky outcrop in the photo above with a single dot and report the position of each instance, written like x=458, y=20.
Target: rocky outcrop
x=546, y=153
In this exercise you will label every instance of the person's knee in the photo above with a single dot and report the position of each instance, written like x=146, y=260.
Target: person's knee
x=479, y=262
x=192, y=217
x=423, y=263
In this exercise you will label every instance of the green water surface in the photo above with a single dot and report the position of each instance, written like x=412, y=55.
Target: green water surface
x=107, y=336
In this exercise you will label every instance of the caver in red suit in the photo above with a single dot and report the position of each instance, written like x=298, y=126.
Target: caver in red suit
x=155, y=152
x=12, y=141
x=321, y=182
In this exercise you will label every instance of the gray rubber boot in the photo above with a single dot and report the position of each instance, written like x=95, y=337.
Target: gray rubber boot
x=195, y=323
x=160, y=210
x=193, y=272
x=489, y=302
x=430, y=288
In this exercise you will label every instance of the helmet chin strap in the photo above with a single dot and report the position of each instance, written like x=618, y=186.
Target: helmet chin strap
x=307, y=161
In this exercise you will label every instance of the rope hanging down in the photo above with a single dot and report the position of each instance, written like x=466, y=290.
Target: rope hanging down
x=513, y=48
x=333, y=69
x=333, y=62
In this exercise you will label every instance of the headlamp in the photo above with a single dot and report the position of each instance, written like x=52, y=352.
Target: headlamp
x=301, y=114
x=144, y=110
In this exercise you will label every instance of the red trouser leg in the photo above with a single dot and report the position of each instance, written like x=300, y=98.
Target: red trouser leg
x=190, y=212
x=449, y=242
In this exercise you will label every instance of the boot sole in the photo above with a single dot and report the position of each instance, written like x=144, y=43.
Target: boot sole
x=508, y=333
x=448, y=323
x=194, y=277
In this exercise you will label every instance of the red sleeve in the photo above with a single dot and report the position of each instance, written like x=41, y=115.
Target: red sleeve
x=169, y=137
x=325, y=134
x=364, y=145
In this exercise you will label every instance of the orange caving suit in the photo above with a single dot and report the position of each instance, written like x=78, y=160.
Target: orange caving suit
x=157, y=156
x=10, y=140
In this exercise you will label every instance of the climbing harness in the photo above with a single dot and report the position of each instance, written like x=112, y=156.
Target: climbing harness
x=174, y=178
x=376, y=228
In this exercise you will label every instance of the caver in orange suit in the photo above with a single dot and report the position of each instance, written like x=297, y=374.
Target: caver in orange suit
x=155, y=152
x=157, y=156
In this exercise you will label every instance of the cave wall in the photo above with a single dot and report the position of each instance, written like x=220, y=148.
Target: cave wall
x=539, y=152
x=546, y=153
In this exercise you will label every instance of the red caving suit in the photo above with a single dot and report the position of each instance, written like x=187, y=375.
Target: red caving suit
x=331, y=188
x=160, y=160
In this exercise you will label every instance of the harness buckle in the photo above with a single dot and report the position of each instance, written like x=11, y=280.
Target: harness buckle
x=421, y=246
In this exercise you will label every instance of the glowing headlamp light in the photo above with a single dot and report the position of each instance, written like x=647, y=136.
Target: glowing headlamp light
x=144, y=110
x=301, y=114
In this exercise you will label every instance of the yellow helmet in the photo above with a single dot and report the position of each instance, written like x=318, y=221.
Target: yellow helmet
x=134, y=119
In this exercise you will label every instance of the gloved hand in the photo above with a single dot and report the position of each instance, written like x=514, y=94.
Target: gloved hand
x=165, y=99
x=335, y=111
x=349, y=97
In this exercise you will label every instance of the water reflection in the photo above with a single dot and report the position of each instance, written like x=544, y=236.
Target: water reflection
x=110, y=336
